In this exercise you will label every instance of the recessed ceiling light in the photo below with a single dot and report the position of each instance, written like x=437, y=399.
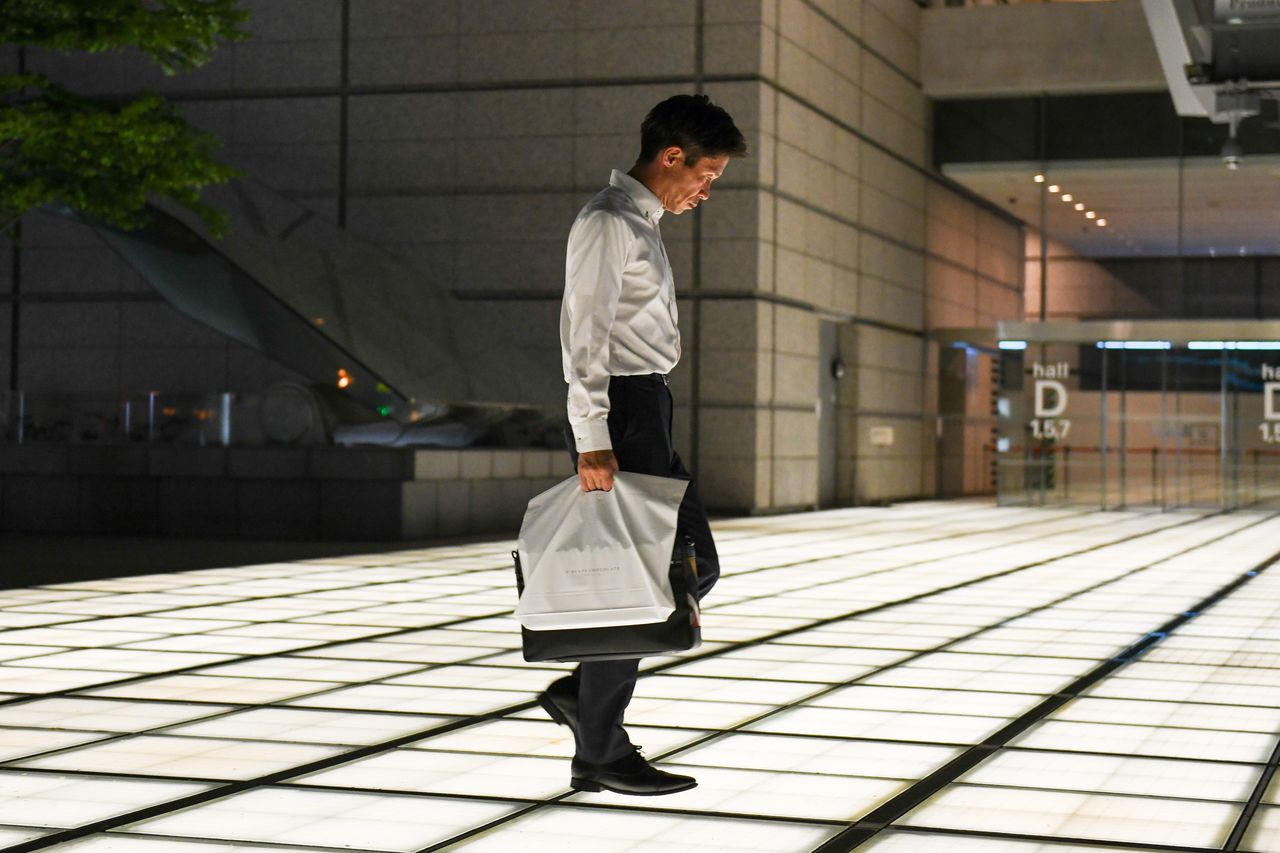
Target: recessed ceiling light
x=1102, y=223
x=1079, y=205
x=1039, y=179
x=1066, y=196
x=1053, y=188
x=1090, y=215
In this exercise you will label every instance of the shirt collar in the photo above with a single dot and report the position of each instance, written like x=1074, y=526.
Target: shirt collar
x=640, y=195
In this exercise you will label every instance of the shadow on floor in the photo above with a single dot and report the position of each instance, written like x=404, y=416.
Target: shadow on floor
x=29, y=560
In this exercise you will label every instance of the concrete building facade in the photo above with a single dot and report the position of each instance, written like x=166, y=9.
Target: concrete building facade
x=463, y=136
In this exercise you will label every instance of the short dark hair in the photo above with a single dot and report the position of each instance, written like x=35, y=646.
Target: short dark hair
x=692, y=122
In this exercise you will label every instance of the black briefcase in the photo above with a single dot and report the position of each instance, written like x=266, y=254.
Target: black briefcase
x=680, y=632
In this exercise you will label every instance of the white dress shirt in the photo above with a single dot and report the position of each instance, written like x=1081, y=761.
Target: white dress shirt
x=619, y=315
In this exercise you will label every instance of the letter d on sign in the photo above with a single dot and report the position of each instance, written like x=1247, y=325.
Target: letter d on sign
x=1270, y=408
x=1059, y=405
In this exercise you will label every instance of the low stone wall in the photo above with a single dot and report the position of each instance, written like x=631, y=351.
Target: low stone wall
x=322, y=493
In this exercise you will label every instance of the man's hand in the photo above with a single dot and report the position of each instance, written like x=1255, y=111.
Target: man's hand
x=595, y=470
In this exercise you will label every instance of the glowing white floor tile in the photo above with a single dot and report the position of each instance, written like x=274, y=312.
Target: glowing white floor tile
x=111, y=843
x=10, y=837
x=819, y=655
x=708, y=647
x=556, y=830
x=16, y=743
x=758, y=792
x=156, y=625
x=190, y=757
x=310, y=669
x=414, y=590
x=1104, y=817
x=298, y=726
x=301, y=631
x=818, y=756
x=1000, y=663
x=55, y=800
x=367, y=595
x=74, y=637
x=689, y=713
x=32, y=679
x=206, y=688
x=242, y=611
x=912, y=842
x=9, y=619
x=102, y=714
x=1185, y=691
x=321, y=602
x=390, y=650
x=814, y=673
x=882, y=725
x=10, y=653
x=110, y=605
x=324, y=818
x=1193, y=715
x=1201, y=674
x=420, y=700
x=867, y=641
x=424, y=611
x=1147, y=740
x=56, y=592
x=429, y=772
x=1272, y=794
x=959, y=679
x=221, y=643
x=723, y=689
x=462, y=637
x=529, y=677
x=1108, y=774
x=540, y=737
x=1264, y=830
x=970, y=703
x=121, y=660
x=1208, y=657
x=373, y=618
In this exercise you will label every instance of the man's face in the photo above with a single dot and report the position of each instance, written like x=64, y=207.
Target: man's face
x=689, y=185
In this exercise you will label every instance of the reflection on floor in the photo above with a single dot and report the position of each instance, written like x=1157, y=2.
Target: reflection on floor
x=937, y=676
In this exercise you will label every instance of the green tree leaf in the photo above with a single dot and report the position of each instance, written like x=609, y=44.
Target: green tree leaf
x=107, y=157
x=178, y=34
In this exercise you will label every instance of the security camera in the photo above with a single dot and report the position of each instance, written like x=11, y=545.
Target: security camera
x=1232, y=154
x=1237, y=103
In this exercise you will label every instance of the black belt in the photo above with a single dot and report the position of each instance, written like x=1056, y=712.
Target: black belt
x=644, y=377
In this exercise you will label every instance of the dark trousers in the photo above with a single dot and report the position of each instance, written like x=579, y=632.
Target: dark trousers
x=640, y=430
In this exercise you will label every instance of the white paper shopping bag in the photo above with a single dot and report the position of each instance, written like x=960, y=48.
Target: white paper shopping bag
x=598, y=559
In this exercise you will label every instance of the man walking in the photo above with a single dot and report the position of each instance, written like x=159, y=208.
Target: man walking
x=619, y=339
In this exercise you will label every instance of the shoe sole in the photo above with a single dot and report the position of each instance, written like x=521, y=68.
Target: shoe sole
x=591, y=786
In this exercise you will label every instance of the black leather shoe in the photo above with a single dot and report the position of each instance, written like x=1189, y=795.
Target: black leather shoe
x=631, y=775
x=560, y=701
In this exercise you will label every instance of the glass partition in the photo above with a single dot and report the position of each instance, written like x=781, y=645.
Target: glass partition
x=155, y=418
x=1134, y=424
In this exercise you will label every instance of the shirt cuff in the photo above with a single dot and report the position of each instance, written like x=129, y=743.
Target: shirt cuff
x=592, y=435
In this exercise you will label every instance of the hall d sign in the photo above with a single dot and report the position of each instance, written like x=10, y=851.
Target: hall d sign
x=1051, y=400
x=1269, y=428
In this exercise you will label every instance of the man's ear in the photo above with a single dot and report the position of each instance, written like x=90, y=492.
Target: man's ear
x=671, y=156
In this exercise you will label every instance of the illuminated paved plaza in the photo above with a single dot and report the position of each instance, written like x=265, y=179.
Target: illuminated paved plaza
x=935, y=676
